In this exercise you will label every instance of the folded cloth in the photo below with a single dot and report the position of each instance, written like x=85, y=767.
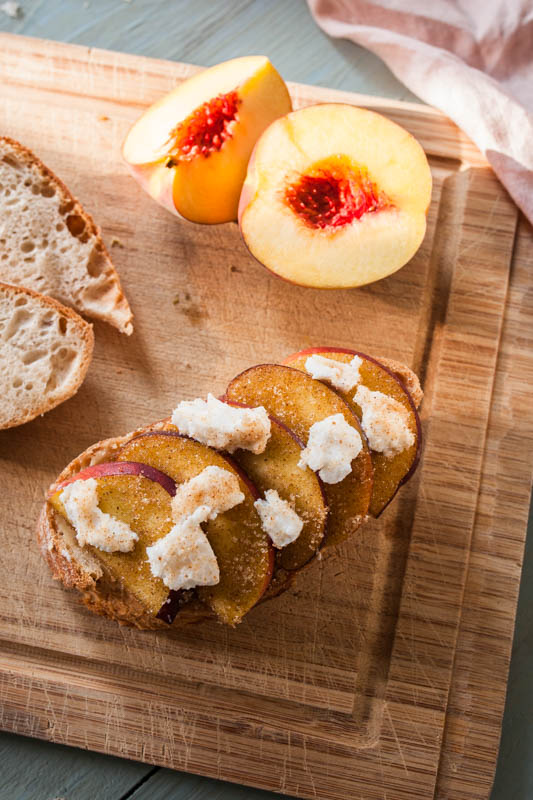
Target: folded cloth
x=472, y=60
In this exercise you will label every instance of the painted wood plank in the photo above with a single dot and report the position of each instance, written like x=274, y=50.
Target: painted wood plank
x=37, y=770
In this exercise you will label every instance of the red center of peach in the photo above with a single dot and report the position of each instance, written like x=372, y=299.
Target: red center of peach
x=205, y=130
x=333, y=194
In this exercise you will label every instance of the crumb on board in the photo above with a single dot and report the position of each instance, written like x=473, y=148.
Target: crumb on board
x=176, y=300
x=115, y=242
x=234, y=269
x=11, y=9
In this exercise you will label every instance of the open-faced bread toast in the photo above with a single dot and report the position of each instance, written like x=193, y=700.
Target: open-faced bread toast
x=307, y=467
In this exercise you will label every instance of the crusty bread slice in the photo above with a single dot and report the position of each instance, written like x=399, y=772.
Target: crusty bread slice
x=45, y=351
x=100, y=591
x=50, y=244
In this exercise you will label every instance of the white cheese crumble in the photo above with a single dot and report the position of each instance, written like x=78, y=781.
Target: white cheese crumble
x=339, y=374
x=184, y=558
x=332, y=446
x=278, y=518
x=384, y=421
x=93, y=526
x=223, y=426
x=215, y=490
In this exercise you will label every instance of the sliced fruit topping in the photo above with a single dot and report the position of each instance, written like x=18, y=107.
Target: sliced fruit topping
x=206, y=129
x=223, y=426
x=335, y=196
x=144, y=506
x=190, y=150
x=277, y=469
x=388, y=413
x=333, y=193
x=242, y=549
x=299, y=402
x=122, y=468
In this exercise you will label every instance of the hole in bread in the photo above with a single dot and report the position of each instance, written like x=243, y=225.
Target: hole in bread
x=60, y=226
x=29, y=386
x=12, y=162
x=35, y=189
x=17, y=322
x=96, y=264
x=64, y=208
x=21, y=300
x=62, y=325
x=61, y=366
x=47, y=319
x=27, y=246
x=75, y=224
x=44, y=244
x=33, y=355
x=16, y=383
x=27, y=182
x=47, y=190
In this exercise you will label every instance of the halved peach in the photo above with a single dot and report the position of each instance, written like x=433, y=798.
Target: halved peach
x=143, y=503
x=335, y=196
x=390, y=472
x=277, y=468
x=299, y=401
x=244, y=552
x=190, y=149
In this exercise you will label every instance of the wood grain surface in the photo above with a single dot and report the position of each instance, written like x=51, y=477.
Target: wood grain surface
x=379, y=675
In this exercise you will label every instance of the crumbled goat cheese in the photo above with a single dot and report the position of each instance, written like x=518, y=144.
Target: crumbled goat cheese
x=214, y=489
x=93, y=526
x=384, y=422
x=340, y=375
x=279, y=520
x=184, y=558
x=331, y=448
x=223, y=426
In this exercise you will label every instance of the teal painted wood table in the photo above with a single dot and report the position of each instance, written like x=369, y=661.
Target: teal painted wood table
x=204, y=32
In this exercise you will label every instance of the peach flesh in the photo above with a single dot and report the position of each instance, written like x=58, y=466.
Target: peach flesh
x=205, y=130
x=334, y=193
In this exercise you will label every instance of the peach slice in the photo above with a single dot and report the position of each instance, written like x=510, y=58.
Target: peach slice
x=277, y=468
x=190, y=149
x=138, y=495
x=299, y=401
x=389, y=472
x=244, y=553
x=335, y=196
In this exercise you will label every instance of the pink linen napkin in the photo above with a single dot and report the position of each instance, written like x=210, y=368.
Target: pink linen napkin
x=472, y=59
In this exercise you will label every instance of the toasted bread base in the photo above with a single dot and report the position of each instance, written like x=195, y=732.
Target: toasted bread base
x=103, y=593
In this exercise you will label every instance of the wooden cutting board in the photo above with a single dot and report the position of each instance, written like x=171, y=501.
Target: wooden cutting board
x=382, y=674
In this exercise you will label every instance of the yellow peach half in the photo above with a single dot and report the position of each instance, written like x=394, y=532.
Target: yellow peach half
x=335, y=196
x=190, y=150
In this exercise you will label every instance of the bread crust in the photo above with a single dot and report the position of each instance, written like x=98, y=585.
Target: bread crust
x=406, y=376
x=105, y=595
x=121, y=315
x=86, y=335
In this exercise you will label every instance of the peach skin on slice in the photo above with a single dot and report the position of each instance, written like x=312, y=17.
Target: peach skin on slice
x=243, y=550
x=299, y=401
x=190, y=149
x=390, y=472
x=277, y=468
x=335, y=196
x=140, y=497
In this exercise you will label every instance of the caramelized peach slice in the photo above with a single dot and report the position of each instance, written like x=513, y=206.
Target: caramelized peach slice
x=141, y=502
x=277, y=468
x=299, y=401
x=389, y=472
x=244, y=553
x=190, y=150
x=335, y=196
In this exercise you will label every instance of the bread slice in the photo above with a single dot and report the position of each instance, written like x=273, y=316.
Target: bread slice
x=50, y=244
x=100, y=591
x=45, y=351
